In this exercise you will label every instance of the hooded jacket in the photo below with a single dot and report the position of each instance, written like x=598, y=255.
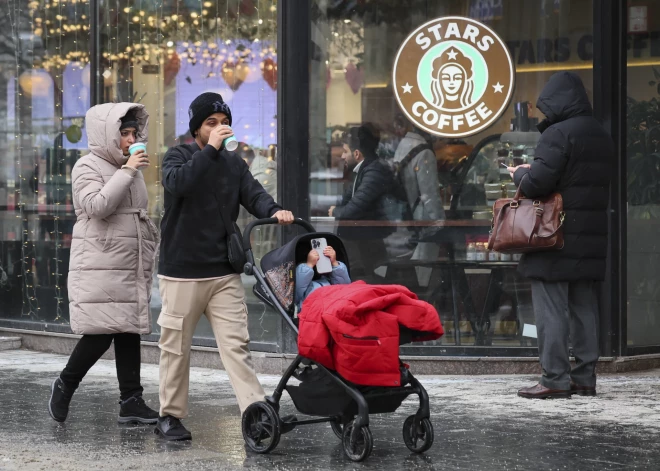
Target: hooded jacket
x=114, y=242
x=573, y=157
x=420, y=179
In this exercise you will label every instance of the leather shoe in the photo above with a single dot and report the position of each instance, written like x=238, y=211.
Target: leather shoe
x=583, y=390
x=541, y=392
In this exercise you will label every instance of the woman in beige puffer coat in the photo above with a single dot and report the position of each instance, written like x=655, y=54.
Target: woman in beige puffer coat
x=112, y=257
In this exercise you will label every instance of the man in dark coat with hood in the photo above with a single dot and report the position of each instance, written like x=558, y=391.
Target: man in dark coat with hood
x=573, y=157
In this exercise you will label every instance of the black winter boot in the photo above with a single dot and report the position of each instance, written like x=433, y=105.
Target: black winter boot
x=60, y=397
x=135, y=410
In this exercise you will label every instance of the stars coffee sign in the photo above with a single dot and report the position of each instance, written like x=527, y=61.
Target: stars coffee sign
x=453, y=77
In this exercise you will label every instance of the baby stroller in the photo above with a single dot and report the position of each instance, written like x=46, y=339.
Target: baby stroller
x=321, y=392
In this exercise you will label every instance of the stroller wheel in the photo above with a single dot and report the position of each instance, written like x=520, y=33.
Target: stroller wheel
x=361, y=448
x=338, y=429
x=261, y=427
x=418, y=439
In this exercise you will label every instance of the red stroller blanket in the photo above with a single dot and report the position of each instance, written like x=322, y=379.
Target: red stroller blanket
x=355, y=329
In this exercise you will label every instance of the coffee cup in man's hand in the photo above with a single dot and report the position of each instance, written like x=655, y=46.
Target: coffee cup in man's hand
x=219, y=134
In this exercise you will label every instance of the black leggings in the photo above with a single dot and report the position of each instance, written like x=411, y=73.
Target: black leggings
x=91, y=347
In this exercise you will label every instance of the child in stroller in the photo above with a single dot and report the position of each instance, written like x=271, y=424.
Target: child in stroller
x=320, y=392
x=308, y=279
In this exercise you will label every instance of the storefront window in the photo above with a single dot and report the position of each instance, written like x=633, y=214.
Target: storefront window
x=643, y=158
x=164, y=54
x=158, y=53
x=44, y=94
x=439, y=249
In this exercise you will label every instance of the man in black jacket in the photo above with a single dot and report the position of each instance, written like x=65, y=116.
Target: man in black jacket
x=194, y=270
x=573, y=157
x=366, y=199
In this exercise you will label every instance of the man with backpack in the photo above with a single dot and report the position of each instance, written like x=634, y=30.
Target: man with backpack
x=416, y=172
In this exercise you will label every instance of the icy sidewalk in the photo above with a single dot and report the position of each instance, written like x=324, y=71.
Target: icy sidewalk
x=479, y=424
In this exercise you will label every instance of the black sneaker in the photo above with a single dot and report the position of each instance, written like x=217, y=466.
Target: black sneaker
x=135, y=410
x=171, y=428
x=60, y=397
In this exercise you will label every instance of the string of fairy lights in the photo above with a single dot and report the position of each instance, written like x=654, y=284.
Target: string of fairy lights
x=217, y=36
x=28, y=307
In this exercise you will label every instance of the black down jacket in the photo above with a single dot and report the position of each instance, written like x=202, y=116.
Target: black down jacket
x=367, y=200
x=574, y=157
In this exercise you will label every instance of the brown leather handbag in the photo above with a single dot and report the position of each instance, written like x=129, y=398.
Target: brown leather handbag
x=522, y=225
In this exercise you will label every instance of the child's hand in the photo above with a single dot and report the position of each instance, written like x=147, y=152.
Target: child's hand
x=312, y=258
x=331, y=254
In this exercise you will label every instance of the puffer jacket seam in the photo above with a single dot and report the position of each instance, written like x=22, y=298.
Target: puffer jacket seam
x=83, y=253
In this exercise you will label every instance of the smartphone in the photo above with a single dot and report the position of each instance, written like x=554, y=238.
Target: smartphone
x=324, y=265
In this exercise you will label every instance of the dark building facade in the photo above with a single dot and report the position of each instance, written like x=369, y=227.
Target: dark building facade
x=298, y=74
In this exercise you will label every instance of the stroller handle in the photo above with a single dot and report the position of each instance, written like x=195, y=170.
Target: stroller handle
x=262, y=222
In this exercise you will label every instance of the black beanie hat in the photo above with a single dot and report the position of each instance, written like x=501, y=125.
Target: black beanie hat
x=204, y=106
x=129, y=121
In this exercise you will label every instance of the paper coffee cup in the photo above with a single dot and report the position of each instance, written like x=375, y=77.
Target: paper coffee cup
x=136, y=147
x=231, y=143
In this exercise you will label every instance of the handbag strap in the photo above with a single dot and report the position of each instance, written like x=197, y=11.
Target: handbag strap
x=514, y=203
x=518, y=195
x=226, y=218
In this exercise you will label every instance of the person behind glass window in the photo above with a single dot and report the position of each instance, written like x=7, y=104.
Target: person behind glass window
x=263, y=168
x=418, y=174
x=364, y=200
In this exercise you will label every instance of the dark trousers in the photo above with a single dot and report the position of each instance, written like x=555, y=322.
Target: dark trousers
x=563, y=309
x=127, y=357
x=366, y=256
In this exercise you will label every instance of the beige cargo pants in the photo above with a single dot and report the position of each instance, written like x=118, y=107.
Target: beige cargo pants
x=223, y=302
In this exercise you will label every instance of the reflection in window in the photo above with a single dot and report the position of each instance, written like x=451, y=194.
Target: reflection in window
x=443, y=258
x=643, y=157
x=44, y=92
x=161, y=54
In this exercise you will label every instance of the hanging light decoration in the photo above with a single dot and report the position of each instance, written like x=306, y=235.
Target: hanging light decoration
x=36, y=83
x=269, y=72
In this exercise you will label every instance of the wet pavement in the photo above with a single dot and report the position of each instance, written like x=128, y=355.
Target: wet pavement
x=479, y=424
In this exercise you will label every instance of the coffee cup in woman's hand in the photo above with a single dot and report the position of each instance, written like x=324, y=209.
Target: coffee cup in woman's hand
x=138, y=160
